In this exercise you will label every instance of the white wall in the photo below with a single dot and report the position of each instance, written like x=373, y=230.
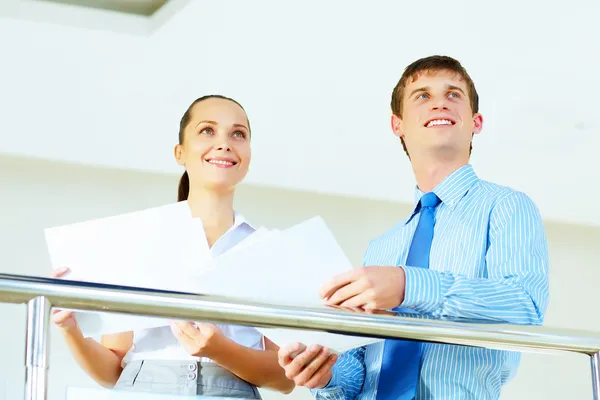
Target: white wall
x=39, y=194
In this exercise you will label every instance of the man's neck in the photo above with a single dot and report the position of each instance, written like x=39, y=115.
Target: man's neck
x=429, y=173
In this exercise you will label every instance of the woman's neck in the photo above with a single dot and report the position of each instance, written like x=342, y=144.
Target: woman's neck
x=215, y=210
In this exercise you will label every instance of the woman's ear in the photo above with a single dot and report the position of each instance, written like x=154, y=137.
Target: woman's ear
x=178, y=152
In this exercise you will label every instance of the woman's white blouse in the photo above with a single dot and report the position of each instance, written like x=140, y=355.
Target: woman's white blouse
x=160, y=343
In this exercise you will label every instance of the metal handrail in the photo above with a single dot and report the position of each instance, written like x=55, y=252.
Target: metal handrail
x=43, y=293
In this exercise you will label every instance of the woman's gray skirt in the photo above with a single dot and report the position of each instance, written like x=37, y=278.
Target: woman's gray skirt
x=184, y=378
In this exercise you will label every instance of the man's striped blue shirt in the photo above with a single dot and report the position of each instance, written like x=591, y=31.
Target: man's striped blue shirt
x=488, y=261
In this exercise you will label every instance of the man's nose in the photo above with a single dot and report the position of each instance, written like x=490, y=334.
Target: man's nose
x=439, y=105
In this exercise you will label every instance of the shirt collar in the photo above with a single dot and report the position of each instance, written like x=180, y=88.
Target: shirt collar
x=239, y=220
x=451, y=189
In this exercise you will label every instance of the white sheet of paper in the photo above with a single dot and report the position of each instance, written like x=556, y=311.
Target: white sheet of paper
x=280, y=267
x=283, y=268
x=151, y=248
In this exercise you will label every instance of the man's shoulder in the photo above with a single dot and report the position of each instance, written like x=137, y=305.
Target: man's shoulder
x=493, y=189
x=503, y=203
x=500, y=194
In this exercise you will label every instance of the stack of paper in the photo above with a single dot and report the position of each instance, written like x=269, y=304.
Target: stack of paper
x=165, y=248
x=282, y=268
x=147, y=249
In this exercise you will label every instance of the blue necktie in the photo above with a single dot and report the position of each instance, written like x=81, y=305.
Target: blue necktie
x=402, y=358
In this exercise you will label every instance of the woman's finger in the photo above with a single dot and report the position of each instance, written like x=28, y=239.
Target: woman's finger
x=59, y=272
x=62, y=316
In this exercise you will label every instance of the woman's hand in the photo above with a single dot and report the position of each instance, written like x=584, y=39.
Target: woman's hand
x=199, y=339
x=62, y=318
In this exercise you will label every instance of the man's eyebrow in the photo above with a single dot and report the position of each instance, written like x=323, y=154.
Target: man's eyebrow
x=427, y=88
x=452, y=87
x=418, y=90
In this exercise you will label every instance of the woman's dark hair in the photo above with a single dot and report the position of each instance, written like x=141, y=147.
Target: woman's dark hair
x=184, y=182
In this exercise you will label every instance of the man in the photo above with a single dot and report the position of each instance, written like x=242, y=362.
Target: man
x=470, y=249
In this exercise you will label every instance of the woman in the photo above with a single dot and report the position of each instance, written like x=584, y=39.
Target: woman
x=187, y=358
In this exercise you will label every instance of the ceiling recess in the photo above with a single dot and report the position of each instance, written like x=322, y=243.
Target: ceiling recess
x=138, y=7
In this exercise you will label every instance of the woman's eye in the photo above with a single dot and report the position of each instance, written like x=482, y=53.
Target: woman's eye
x=207, y=131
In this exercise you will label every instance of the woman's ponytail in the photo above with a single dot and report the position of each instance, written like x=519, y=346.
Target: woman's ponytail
x=184, y=187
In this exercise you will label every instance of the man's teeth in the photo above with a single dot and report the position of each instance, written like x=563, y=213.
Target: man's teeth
x=439, y=122
x=221, y=162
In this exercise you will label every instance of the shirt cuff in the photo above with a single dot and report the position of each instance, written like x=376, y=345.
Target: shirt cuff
x=424, y=289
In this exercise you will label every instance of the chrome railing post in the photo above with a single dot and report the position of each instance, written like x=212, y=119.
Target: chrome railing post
x=596, y=375
x=36, y=351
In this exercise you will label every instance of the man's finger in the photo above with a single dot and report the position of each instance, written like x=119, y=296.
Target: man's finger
x=299, y=362
x=317, y=379
x=286, y=353
x=338, y=281
x=346, y=292
x=358, y=301
x=353, y=309
x=379, y=312
x=313, y=366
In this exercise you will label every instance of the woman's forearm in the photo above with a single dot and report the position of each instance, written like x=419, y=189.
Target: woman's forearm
x=258, y=367
x=99, y=362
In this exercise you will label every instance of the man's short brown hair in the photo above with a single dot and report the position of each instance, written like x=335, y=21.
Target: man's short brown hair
x=431, y=64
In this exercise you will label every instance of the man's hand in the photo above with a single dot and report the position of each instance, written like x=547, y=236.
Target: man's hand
x=198, y=339
x=370, y=288
x=309, y=367
x=363, y=311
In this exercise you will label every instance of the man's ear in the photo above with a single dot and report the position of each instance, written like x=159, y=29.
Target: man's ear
x=397, y=126
x=178, y=153
x=477, y=123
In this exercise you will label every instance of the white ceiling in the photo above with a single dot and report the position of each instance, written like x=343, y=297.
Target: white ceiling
x=108, y=89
